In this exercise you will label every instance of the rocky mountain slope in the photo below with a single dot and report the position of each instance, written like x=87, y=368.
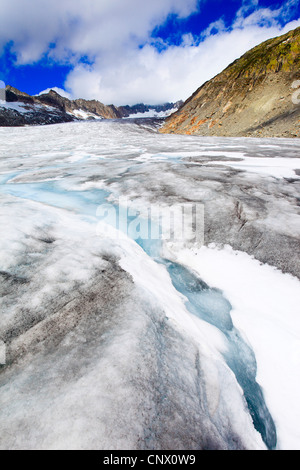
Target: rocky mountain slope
x=21, y=109
x=256, y=95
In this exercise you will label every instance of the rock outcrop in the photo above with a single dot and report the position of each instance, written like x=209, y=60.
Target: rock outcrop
x=254, y=96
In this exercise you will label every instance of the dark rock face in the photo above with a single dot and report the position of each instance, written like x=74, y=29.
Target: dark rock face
x=32, y=116
x=22, y=109
x=253, y=97
x=53, y=99
x=12, y=95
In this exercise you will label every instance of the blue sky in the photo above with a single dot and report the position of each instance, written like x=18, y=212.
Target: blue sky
x=129, y=51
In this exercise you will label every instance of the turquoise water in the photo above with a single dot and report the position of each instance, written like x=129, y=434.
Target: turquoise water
x=211, y=306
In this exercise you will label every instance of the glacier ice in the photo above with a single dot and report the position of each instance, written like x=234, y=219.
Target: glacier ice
x=112, y=344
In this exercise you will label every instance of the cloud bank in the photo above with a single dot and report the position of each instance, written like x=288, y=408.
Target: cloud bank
x=114, y=57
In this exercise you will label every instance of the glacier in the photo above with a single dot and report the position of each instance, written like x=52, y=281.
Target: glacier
x=116, y=343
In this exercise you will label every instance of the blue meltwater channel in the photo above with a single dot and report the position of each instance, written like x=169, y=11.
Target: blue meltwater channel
x=207, y=303
x=210, y=305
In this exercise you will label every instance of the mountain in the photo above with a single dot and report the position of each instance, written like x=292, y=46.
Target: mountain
x=155, y=110
x=21, y=109
x=254, y=96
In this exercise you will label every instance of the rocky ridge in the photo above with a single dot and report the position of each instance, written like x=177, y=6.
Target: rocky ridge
x=255, y=96
x=21, y=109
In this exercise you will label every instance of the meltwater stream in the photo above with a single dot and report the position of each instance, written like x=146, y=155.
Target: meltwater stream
x=211, y=306
x=206, y=303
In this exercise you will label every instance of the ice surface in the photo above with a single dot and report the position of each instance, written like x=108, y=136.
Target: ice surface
x=279, y=167
x=98, y=358
x=117, y=344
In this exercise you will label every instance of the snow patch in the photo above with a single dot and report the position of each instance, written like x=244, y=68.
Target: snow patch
x=81, y=114
x=266, y=310
x=276, y=167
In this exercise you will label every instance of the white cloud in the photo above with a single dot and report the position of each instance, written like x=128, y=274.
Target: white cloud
x=110, y=33
x=175, y=73
x=58, y=90
x=81, y=27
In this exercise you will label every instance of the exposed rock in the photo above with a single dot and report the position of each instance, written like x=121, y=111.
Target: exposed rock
x=97, y=108
x=31, y=114
x=12, y=95
x=254, y=96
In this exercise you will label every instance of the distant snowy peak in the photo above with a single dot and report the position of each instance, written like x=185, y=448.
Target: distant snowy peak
x=55, y=106
x=146, y=110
